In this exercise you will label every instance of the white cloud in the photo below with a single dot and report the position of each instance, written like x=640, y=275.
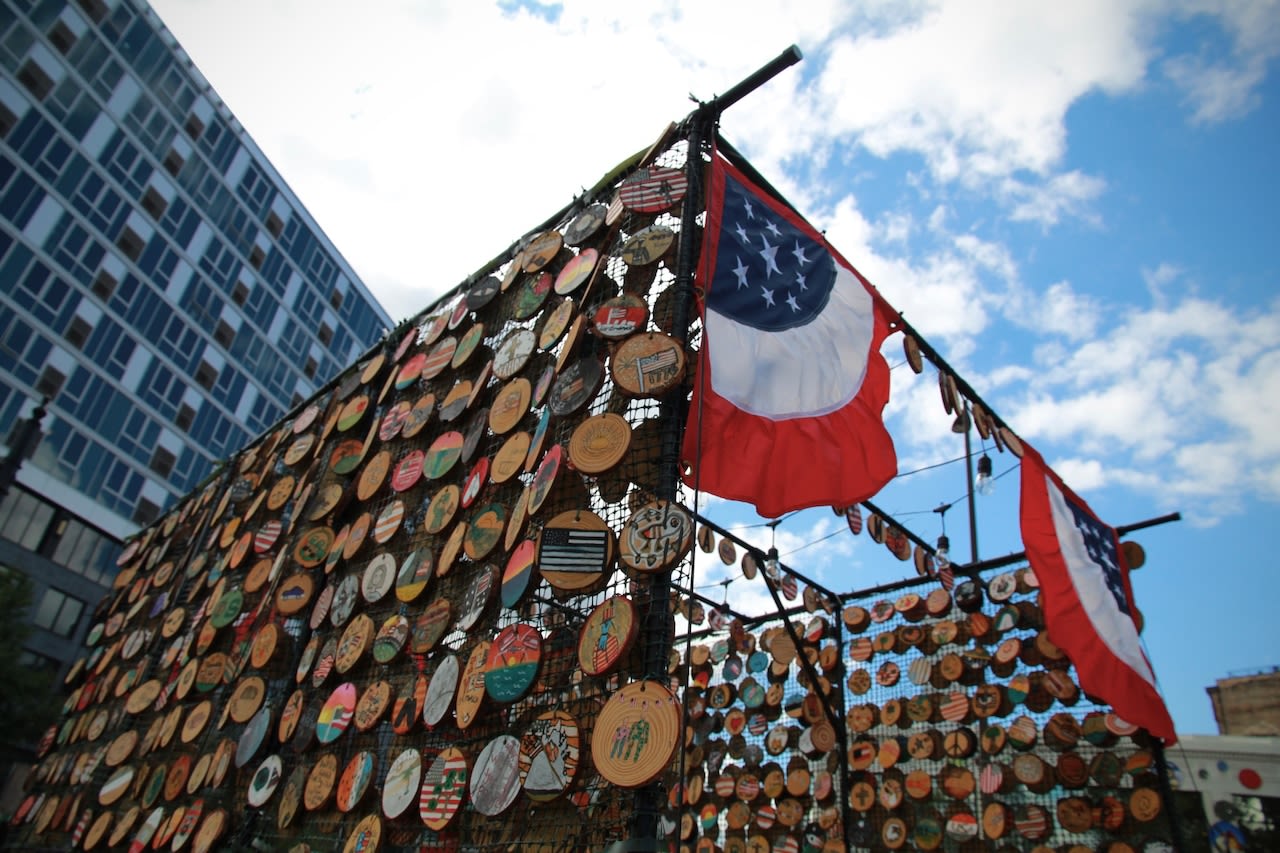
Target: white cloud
x=1220, y=83
x=1047, y=202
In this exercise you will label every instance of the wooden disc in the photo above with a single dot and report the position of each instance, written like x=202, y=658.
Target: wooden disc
x=484, y=531
x=390, y=638
x=653, y=190
x=345, y=597
x=366, y=837
x=378, y=578
x=549, y=755
x=356, y=641
x=443, y=453
x=471, y=690
x=116, y=785
x=320, y=782
x=576, y=272
x=246, y=699
x=620, y=317
x=477, y=596
x=648, y=364
x=514, y=353
x=408, y=704
x=647, y=246
x=637, y=733
x=495, y=779
x=400, y=787
x=544, y=478
x=509, y=405
x=575, y=386
x=252, y=736
x=444, y=787
x=336, y=713
x=441, y=690
x=513, y=662
x=442, y=509
x=574, y=550
x=430, y=626
x=541, y=250
x=599, y=443
x=656, y=537
x=264, y=781
x=607, y=635
x=415, y=574
x=355, y=780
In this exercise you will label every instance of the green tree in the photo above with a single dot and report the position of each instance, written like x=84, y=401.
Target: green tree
x=27, y=702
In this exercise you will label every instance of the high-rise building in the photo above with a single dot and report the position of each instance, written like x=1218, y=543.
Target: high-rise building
x=159, y=283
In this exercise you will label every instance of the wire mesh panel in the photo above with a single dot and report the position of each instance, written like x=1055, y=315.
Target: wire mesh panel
x=399, y=618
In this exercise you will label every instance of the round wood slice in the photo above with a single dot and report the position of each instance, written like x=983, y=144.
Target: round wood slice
x=656, y=537
x=513, y=662
x=510, y=457
x=373, y=704
x=544, y=478
x=441, y=690
x=549, y=755
x=607, y=635
x=264, y=781
x=477, y=596
x=647, y=246
x=365, y=837
x=443, y=453
x=575, y=549
x=444, y=787
x=495, y=780
x=531, y=294
x=636, y=734
x=408, y=704
x=400, y=787
x=471, y=686
x=336, y=713
x=430, y=626
x=584, y=225
x=390, y=638
x=599, y=443
x=355, y=780
x=510, y=405
x=653, y=190
x=648, y=364
x=415, y=574
x=252, y=736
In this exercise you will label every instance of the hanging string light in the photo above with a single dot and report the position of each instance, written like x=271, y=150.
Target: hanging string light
x=985, y=483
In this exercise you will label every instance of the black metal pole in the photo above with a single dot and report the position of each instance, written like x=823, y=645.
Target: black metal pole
x=968, y=472
x=1166, y=794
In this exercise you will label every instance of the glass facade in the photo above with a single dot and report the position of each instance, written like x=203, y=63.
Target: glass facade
x=159, y=281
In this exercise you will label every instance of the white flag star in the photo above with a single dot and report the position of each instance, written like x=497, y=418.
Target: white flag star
x=791, y=300
x=770, y=253
x=798, y=251
x=773, y=229
x=741, y=272
x=800, y=281
x=768, y=296
x=742, y=233
x=751, y=214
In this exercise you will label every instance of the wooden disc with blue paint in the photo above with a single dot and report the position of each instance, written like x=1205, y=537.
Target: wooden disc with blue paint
x=520, y=575
x=513, y=662
x=336, y=714
x=607, y=635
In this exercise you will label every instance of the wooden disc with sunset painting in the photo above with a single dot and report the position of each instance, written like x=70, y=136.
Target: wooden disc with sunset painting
x=415, y=574
x=513, y=662
x=607, y=635
x=484, y=531
x=441, y=456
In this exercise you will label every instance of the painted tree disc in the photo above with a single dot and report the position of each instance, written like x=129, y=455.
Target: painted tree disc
x=415, y=574
x=400, y=787
x=607, y=635
x=441, y=690
x=443, y=507
x=549, y=755
x=439, y=357
x=574, y=550
x=444, y=787
x=621, y=317
x=520, y=575
x=636, y=734
x=495, y=779
x=513, y=353
x=471, y=689
x=513, y=662
x=373, y=704
x=656, y=537
x=390, y=638
x=355, y=781
x=336, y=713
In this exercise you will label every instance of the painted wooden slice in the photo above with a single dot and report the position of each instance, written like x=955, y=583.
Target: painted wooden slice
x=290, y=716
x=513, y=662
x=555, y=323
x=320, y=782
x=495, y=779
x=647, y=246
x=116, y=785
x=576, y=272
x=378, y=578
x=408, y=705
x=366, y=837
x=419, y=415
x=356, y=535
x=400, y=787
x=390, y=638
x=253, y=735
x=510, y=457
x=352, y=412
x=648, y=364
x=336, y=713
x=430, y=626
x=264, y=782
x=513, y=354
x=355, y=781
x=476, y=597
x=575, y=549
x=246, y=699
x=313, y=546
x=355, y=642
x=510, y=405
x=653, y=190
x=575, y=386
x=441, y=456
x=544, y=478
x=599, y=443
x=439, y=357
x=531, y=294
x=549, y=755
x=520, y=575
x=471, y=686
x=484, y=531
x=607, y=635
x=345, y=597
x=584, y=225
x=444, y=788
x=656, y=537
x=415, y=574
x=441, y=690
x=373, y=704
x=636, y=734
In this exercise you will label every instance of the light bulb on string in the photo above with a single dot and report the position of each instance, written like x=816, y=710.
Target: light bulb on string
x=985, y=483
x=942, y=550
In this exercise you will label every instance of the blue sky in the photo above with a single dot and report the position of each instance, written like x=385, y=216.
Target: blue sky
x=1072, y=202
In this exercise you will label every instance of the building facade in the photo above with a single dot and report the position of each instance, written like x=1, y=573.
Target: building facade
x=1247, y=704
x=160, y=284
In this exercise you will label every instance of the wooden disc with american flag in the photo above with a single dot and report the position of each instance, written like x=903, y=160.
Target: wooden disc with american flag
x=574, y=550
x=653, y=190
x=607, y=635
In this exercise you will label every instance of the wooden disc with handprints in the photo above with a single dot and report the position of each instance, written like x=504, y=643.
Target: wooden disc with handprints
x=520, y=575
x=656, y=537
x=441, y=690
x=430, y=626
x=336, y=713
x=374, y=702
x=390, y=638
x=636, y=734
x=471, y=689
x=607, y=635
x=599, y=443
x=575, y=386
x=549, y=755
x=400, y=787
x=575, y=549
x=444, y=787
x=443, y=453
x=495, y=779
x=514, y=659
x=648, y=364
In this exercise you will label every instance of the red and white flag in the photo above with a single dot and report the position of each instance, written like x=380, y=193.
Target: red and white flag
x=1088, y=600
x=787, y=412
